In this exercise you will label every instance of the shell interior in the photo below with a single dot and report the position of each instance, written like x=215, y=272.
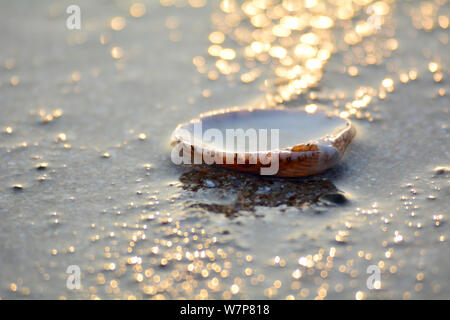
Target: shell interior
x=294, y=127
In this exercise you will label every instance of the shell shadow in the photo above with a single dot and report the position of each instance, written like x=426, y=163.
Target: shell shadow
x=250, y=191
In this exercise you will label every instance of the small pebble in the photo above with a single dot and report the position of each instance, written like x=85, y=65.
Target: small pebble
x=42, y=166
x=334, y=198
x=441, y=170
x=17, y=187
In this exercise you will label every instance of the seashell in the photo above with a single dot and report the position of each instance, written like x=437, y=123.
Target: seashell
x=309, y=142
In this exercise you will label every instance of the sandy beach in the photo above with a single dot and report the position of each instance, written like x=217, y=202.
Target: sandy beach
x=86, y=117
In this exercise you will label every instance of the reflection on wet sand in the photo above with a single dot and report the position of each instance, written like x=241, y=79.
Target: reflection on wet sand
x=249, y=192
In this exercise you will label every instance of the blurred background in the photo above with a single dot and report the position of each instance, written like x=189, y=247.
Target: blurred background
x=88, y=103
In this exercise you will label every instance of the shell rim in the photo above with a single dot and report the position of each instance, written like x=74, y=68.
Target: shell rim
x=325, y=142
